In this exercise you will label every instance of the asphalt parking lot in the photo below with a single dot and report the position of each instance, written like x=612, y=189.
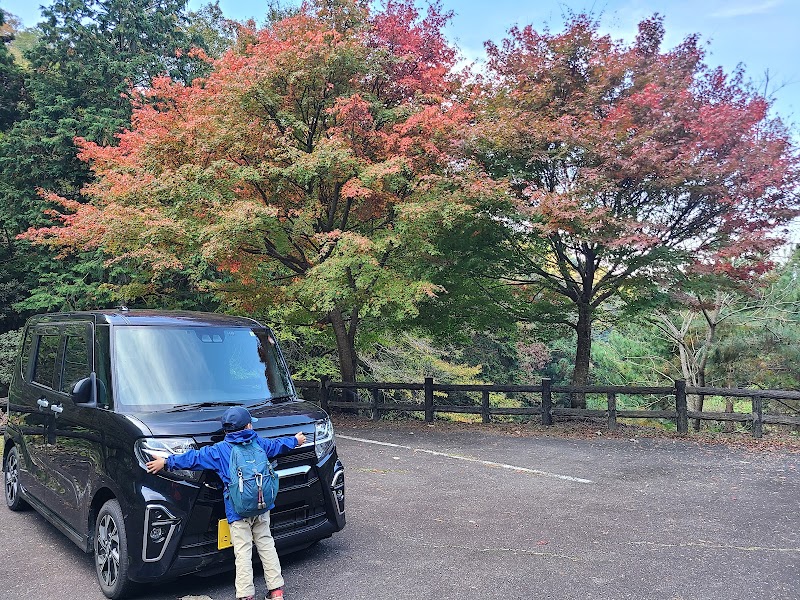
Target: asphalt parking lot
x=441, y=512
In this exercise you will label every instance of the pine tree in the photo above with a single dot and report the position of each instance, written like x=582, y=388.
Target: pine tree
x=88, y=58
x=11, y=80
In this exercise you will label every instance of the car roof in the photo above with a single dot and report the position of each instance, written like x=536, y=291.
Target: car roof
x=124, y=316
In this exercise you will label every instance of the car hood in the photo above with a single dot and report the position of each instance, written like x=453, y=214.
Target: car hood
x=206, y=421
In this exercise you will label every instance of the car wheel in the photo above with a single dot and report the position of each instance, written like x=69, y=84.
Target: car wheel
x=111, y=551
x=13, y=490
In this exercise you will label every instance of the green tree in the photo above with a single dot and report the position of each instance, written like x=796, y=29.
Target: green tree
x=209, y=28
x=744, y=337
x=87, y=58
x=12, y=100
x=11, y=80
x=9, y=349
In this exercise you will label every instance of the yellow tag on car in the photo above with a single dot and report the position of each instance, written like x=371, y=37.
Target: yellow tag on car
x=223, y=534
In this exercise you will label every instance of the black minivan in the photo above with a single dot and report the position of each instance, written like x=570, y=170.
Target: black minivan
x=95, y=395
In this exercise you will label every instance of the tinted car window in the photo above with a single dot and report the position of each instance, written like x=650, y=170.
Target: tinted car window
x=103, y=366
x=160, y=367
x=76, y=361
x=46, y=355
x=26, y=353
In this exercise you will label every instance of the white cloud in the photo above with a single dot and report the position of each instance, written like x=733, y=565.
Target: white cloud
x=748, y=8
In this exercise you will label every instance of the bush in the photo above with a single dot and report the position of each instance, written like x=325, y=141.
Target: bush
x=9, y=346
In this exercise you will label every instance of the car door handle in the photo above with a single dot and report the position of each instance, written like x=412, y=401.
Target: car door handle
x=43, y=403
x=57, y=408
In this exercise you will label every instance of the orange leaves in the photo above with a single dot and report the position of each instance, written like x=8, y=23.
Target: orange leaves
x=355, y=189
x=354, y=124
x=419, y=57
x=124, y=233
x=289, y=168
x=79, y=226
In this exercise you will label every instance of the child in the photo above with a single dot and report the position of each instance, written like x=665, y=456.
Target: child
x=245, y=532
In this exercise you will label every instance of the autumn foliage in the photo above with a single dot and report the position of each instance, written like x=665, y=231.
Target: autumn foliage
x=300, y=168
x=629, y=165
x=307, y=175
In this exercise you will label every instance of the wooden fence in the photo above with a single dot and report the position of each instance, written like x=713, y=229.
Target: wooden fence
x=328, y=394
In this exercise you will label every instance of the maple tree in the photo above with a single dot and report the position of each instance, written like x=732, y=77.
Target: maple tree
x=628, y=165
x=306, y=169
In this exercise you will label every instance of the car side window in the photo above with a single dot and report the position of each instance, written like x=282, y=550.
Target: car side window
x=46, y=355
x=76, y=361
x=26, y=354
x=102, y=365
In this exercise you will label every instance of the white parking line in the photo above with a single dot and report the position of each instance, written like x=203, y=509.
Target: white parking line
x=487, y=463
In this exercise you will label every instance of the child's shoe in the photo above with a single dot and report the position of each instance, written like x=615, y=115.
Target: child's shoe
x=275, y=594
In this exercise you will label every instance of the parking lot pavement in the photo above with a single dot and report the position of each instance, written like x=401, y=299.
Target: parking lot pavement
x=438, y=512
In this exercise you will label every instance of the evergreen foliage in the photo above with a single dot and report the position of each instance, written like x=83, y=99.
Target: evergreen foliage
x=87, y=59
x=9, y=349
x=11, y=80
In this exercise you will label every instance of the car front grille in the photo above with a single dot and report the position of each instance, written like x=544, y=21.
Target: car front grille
x=200, y=534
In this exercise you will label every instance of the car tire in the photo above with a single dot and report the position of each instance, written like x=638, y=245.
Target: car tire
x=111, y=551
x=13, y=490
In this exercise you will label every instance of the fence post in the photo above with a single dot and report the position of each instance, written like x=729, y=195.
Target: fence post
x=612, y=411
x=758, y=416
x=376, y=415
x=429, y=399
x=682, y=421
x=487, y=418
x=323, y=392
x=547, y=402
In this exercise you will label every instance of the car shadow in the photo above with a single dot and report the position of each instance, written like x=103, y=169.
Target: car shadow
x=220, y=585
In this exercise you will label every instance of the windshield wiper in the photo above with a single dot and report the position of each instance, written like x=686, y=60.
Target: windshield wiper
x=203, y=405
x=273, y=400
x=283, y=398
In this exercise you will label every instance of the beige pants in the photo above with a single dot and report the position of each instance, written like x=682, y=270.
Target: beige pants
x=245, y=534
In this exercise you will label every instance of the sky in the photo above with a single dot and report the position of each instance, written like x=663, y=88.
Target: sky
x=762, y=35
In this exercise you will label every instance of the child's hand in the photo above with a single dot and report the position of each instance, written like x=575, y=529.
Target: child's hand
x=301, y=438
x=155, y=465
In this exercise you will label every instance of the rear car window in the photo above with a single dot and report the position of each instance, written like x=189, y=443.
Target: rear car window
x=46, y=354
x=76, y=361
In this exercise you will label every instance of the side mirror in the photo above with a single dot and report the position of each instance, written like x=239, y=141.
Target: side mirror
x=82, y=393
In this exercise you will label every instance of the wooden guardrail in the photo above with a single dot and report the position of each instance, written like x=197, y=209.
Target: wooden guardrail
x=327, y=392
x=329, y=395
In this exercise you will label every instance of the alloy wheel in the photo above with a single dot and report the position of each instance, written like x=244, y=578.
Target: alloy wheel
x=107, y=552
x=12, y=478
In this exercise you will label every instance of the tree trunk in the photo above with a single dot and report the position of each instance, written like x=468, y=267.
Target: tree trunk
x=701, y=399
x=690, y=377
x=712, y=319
x=728, y=426
x=583, y=352
x=345, y=345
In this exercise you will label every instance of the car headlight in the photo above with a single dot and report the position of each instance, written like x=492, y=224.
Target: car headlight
x=146, y=449
x=323, y=438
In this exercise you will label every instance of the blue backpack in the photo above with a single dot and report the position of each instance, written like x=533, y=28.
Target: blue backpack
x=254, y=484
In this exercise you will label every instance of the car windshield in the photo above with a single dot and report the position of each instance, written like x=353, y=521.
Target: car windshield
x=158, y=368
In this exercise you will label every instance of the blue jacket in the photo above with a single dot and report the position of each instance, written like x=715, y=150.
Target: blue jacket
x=217, y=457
